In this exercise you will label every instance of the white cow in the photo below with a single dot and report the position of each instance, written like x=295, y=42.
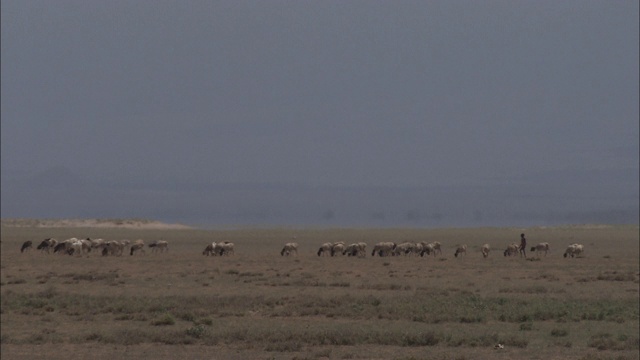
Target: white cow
x=325, y=249
x=574, y=250
x=485, y=250
x=544, y=246
x=461, y=249
x=289, y=249
x=383, y=248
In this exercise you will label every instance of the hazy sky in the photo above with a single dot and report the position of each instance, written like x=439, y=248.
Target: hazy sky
x=344, y=93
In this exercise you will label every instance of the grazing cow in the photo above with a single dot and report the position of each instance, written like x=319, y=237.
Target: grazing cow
x=417, y=248
x=125, y=243
x=152, y=246
x=225, y=248
x=137, y=247
x=162, y=246
x=99, y=246
x=76, y=248
x=403, y=248
x=427, y=249
x=356, y=249
x=461, y=249
x=116, y=247
x=437, y=247
x=431, y=248
x=540, y=248
x=27, y=245
x=159, y=246
x=96, y=243
x=86, y=245
x=69, y=247
x=47, y=244
x=574, y=250
x=485, y=250
x=384, y=249
x=325, y=249
x=209, y=250
x=289, y=249
x=511, y=250
x=62, y=247
x=337, y=249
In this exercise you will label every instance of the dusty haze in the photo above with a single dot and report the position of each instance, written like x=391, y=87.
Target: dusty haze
x=439, y=113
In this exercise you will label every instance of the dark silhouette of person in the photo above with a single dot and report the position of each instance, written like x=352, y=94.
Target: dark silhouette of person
x=523, y=246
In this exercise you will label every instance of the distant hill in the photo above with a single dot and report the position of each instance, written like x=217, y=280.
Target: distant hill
x=93, y=223
x=551, y=199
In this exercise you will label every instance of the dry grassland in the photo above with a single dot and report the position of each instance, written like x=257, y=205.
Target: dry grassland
x=257, y=304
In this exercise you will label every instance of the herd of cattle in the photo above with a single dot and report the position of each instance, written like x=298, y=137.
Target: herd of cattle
x=421, y=248
x=79, y=247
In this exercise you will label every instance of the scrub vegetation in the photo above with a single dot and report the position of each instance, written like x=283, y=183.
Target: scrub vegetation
x=261, y=305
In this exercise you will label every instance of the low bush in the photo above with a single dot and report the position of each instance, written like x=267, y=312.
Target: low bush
x=167, y=319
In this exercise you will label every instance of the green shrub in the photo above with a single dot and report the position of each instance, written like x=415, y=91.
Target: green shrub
x=197, y=331
x=167, y=319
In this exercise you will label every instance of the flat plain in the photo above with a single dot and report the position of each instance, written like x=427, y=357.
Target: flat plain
x=257, y=304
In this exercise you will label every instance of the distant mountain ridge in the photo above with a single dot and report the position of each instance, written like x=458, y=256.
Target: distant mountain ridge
x=93, y=223
x=551, y=199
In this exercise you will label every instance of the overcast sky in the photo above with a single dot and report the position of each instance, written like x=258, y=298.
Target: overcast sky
x=326, y=93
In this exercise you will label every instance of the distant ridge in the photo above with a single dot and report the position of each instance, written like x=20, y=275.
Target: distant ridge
x=142, y=224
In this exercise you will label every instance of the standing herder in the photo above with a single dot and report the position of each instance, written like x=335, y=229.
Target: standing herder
x=523, y=246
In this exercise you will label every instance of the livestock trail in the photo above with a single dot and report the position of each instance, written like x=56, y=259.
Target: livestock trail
x=258, y=303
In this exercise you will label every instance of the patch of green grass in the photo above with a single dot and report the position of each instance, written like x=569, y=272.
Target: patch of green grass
x=17, y=282
x=616, y=276
x=167, y=319
x=526, y=326
x=559, y=332
x=197, y=331
x=606, y=341
x=420, y=339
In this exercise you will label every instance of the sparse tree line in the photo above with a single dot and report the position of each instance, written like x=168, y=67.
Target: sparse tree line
x=79, y=247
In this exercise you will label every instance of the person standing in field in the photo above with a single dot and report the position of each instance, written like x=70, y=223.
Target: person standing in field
x=523, y=246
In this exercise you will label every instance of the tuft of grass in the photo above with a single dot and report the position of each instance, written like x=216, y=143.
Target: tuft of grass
x=206, y=321
x=526, y=326
x=197, y=331
x=284, y=346
x=606, y=341
x=94, y=336
x=165, y=320
x=515, y=342
x=471, y=319
x=187, y=316
x=17, y=282
x=602, y=341
x=559, y=332
x=616, y=276
x=420, y=339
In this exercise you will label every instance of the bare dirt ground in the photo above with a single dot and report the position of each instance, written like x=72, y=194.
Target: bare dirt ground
x=257, y=304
